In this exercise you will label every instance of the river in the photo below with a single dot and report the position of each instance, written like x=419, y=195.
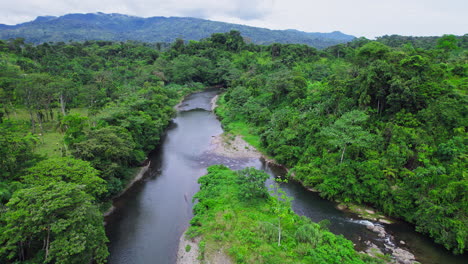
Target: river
x=151, y=216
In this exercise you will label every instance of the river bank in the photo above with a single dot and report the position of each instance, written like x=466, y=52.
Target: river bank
x=228, y=146
x=235, y=146
x=188, y=250
x=152, y=216
x=137, y=177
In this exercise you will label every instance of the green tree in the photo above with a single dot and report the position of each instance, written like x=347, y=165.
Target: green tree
x=9, y=75
x=16, y=150
x=372, y=51
x=65, y=90
x=447, y=43
x=54, y=223
x=36, y=95
x=346, y=131
x=252, y=183
x=66, y=169
x=111, y=150
x=107, y=145
x=74, y=126
x=6, y=191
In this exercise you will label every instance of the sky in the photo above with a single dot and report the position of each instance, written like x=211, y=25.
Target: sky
x=367, y=18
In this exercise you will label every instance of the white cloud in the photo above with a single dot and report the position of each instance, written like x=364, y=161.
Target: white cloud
x=359, y=17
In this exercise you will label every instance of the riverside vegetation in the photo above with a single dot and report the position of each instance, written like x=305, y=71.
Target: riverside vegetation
x=361, y=122
x=236, y=213
x=60, y=165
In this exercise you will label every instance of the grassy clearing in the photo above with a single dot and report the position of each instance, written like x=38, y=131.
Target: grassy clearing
x=51, y=141
x=243, y=129
x=82, y=111
x=238, y=127
x=19, y=115
x=51, y=145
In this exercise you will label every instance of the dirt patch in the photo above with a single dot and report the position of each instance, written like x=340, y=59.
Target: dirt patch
x=218, y=257
x=232, y=146
x=188, y=250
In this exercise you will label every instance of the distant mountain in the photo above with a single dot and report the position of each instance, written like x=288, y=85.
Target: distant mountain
x=118, y=27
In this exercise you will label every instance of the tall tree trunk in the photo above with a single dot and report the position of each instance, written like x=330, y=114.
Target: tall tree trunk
x=46, y=113
x=62, y=104
x=21, y=251
x=14, y=110
x=7, y=112
x=342, y=154
x=378, y=106
x=40, y=116
x=47, y=243
x=33, y=121
x=279, y=231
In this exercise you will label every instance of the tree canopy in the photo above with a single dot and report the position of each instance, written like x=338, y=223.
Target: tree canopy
x=375, y=122
x=57, y=222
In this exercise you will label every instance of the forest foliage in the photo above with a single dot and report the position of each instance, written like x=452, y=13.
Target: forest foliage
x=51, y=205
x=367, y=123
x=361, y=122
x=253, y=226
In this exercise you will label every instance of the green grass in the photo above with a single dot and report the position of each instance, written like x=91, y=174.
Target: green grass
x=19, y=115
x=51, y=141
x=50, y=145
x=243, y=129
x=238, y=127
x=82, y=111
x=22, y=114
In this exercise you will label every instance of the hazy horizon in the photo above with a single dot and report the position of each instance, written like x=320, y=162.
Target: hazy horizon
x=359, y=18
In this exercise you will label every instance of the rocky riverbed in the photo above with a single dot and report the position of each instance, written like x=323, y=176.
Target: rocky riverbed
x=399, y=255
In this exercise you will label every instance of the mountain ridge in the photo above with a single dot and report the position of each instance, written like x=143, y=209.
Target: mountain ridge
x=121, y=27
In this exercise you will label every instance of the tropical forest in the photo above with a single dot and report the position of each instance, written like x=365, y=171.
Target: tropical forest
x=377, y=124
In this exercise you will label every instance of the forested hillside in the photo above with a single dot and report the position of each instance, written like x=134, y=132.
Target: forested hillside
x=117, y=27
x=76, y=120
x=365, y=123
x=361, y=122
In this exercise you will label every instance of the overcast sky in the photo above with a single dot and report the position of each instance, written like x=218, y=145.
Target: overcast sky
x=367, y=18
